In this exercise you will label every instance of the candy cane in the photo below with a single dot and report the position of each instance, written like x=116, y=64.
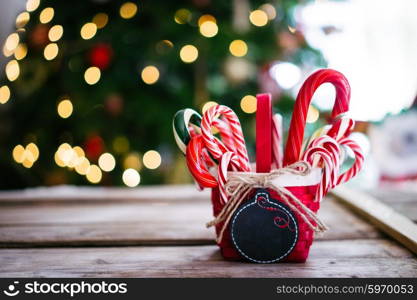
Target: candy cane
x=216, y=149
x=298, y=121
x=357, y=165
x=226, y=134
x=226, y=161
x=277, y=141
x=181, y=126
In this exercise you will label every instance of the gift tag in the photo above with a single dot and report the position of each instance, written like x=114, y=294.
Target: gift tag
x=264, y=230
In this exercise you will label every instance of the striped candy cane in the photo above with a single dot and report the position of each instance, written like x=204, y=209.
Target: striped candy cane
x=298, y=121
x=277, y=153
x=227, y=160
x=226, y=134
x=357, y=165
x=216, y=149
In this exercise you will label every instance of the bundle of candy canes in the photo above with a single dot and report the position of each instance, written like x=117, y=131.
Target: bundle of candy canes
x=217, y=158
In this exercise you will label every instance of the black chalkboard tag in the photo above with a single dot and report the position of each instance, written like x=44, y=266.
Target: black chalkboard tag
x=264, y=230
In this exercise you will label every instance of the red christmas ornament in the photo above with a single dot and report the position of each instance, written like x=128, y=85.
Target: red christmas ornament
x=101, y=55
x=94, y=147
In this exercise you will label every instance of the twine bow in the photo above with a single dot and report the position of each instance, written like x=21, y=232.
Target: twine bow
x=240, y=184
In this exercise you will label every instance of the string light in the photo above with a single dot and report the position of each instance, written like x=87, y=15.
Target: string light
x=238, y=48
x=132, y=161
x=131, y=177
x=55, y=33
x=128, y=10
x=34, y=150
x=207, y=105
x=248, y=104
x=79, y=151
x=269, y=9
x=82, y=166
x=182, y=16
x=206, y=18
x=106, y=162
x=12, y=70
x=65, y=108
x=312, y=114
x=50, y=51
x=32, y=5
x=18, y=153
x=188, y=53
x=88, y=31
x=22, y=19
x=21, y=51
x=100, y=20
x=11, y=42
x=209, y=29
x=4, y=94
x=152, y=159
x=258, y=18
x=150, y=74
x=94, y=174
x=92, y=75
x=46, y=15
x=26, y=156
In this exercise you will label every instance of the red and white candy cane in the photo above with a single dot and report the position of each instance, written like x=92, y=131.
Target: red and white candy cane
x=227, y=159
x=304, y=97
x=218, y=149
x=277, y=152
x=357, y=165
x=226, y=133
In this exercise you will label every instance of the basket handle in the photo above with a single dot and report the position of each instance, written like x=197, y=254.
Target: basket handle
x=304, y=97
x=263, y=133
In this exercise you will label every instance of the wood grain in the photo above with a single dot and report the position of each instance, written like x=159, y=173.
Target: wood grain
x=348, y=258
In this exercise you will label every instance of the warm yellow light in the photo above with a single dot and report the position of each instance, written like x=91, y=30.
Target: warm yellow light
x=12, y=70
x=312, y=114
x=207, y=105
x=18, y=153
x=209, y=29
x=128, y=10
x=58, y=159
x=206, y=18
x=50, y=51
x=94, y=174
x=92, y=75
x=164, y=46
x=188, y=53
x=82, y=166
x=22, y=19
x=106, y=162
x=100, y=20
x=46, y=15
x=7, y=52
x=269, y=9
x=55, y=33
x=4, y=94
x=32, y=5
x=34, y=150
x=131, y=177
x=238, y=48
x=88, y=31
x=132, y=161
x=27, y=163
x=120, y=144
x=152, y=159
x=63, y=154
x=21, y=51
x=258, y=18
x=150, y=74
x=79, y=151
x=182, y=16
x=65, y=108
x=11, y=42
x=248, y=104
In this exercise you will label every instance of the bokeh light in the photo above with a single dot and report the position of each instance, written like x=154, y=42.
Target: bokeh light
x=131, y=177
x=50, y=51
x=121, y=144
x=18, y=153
x=21, y=51
x=128, y=10
x=150, y=74
x=270, y=10
x=11, y=42
x=132, y=161
x=312, y=114
x=12, y=70
x=182, y=16
x=258, y=18
x=46, y=15
x=188, y=53
x=65, y=108
x=286, y=74
x=82, y=166
x=238, y=48
x=55, y=33
x=32, y=5
x=22, y=19
x=4, y=94
x=209, y=29
x=206, y=18
x=207, y=105
x=151, y=159
x=94, y=174
x=248, y=104
x=100, y=20
x=88, y=31
x=92, y=75
x=106, y=162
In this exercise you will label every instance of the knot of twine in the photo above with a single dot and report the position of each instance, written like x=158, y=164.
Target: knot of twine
x=240, y=184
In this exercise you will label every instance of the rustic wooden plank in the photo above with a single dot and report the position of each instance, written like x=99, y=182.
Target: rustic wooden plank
x=384, y=217
x=348, y=258
x=163, y=222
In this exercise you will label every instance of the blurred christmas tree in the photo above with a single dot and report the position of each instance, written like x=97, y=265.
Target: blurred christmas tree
x=91, y=86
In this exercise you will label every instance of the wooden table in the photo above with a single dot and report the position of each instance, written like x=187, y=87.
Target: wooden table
x=160, y=232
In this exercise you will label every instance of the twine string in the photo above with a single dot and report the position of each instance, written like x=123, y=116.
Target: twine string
x=240, y=184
